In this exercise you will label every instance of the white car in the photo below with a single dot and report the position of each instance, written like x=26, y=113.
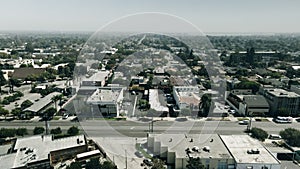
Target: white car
x=65, y=116
x=244, y=122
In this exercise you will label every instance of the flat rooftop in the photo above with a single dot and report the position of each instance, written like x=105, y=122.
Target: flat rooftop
x=282, y=93
x=254, y=100
x=37, y=148
x=41, y=103
x=178, y=143
x=239, y=145
x=104, y=96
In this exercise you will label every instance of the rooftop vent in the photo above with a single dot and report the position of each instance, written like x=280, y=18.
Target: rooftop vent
x=206, y=148
x=196, y=149
x=253, y=151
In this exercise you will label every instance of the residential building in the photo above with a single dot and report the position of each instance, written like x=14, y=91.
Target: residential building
x=187, y=97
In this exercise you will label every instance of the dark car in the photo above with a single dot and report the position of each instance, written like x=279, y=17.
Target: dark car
x=148, y=162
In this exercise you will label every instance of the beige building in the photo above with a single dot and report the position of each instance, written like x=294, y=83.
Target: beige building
x=42, y=151
x=249, y=153
x=176, y=149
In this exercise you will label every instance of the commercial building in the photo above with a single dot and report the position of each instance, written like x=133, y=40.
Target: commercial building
x=215, y=151
x=254, y=105
x=177, y=149
x=249, y=153
x=282, y=102
x=42, y=151
x=107, y=100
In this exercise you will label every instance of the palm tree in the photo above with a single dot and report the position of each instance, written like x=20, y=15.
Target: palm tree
x=205, y=104
x=56, y=98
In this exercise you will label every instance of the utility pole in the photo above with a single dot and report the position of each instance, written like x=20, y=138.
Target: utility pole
x=125, y=159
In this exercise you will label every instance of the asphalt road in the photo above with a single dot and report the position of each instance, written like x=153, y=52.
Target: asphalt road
x=140, y=129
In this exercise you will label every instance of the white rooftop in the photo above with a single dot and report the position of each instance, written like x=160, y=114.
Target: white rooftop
x=38, y=147
x=282, y=93
x=239, y=145
x=37, y=106
x=104, y=96
x=178, y=143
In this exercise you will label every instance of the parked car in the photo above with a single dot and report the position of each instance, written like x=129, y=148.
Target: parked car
x=65, y=116
x=274, y=137
x=148, y=162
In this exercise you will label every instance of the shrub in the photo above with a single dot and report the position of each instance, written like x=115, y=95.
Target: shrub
x=38, y=130
x=259, y=133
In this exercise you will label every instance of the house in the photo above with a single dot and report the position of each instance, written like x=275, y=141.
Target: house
x=187, y=97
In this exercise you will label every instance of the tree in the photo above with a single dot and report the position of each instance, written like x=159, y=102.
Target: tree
x=74, y=165
x=14, y=82
x=259, y=133
x=73, y=131
x=205, y=104
x=291, y=136
x=25, y=104
x=108, y=165
x=29, y=47
x=56, y=131
x=21, y=131
x=38, y=130
x=2, y=81
x=195, y=163
x=94, y=163
x=3, y=112
x=246, y=84
x=158, y=164
x=56, y=98
x=4, y=132
x=49, y=112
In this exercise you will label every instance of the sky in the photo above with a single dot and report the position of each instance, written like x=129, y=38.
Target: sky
x=207, y=15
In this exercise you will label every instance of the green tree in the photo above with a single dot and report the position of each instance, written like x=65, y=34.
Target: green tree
x=21, y=131
x=2, y=81
x=205, y=104
x=56, y=131
x=291, y=136
x=195, y=163
x=7, y=132
x=49, y=112
x=14, y=82
x=25, y=104
x=3, y=112
x=246, y=84
x=94, y=163
x=38, y=130
x=158, y=164
x=73, y=131
x=259, y=133
x=74, y=165
x=56, y=98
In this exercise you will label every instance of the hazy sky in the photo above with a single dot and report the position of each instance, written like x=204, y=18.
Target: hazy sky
x=209, y=15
